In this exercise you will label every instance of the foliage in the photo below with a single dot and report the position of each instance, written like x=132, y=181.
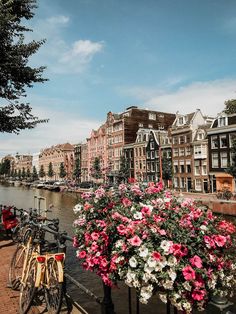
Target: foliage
x=96, y=171
x=156, y=243
x=50, y=170
x=28, y=174
x=23, y=173
x=62, y=172
x=224, y=194
x=230, y=106
x=34, y=173
x=16, y=74
x=77, y=170
x=42, y=173
x=19, y=173
x=5, y=167
x=124, y=171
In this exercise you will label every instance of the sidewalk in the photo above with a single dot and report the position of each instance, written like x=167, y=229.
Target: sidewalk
x=9, y=299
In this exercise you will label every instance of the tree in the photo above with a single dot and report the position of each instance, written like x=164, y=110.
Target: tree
x=19, y=173
x=232, y=168
x=230, y=106
x=35, y=174
x=50, y=170
x=62, y=171
x=124, y=171
x=96, y=171
x=23, y=174
x=77, y=170
x=16, y=74
x=5, y=168
x=42, y=173
x=28, y=174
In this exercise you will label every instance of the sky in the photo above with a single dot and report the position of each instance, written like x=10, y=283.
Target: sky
x=107, y=55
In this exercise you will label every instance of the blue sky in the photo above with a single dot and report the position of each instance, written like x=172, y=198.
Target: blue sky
x=107, y=55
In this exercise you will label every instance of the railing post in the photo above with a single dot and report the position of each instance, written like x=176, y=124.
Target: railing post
x=107, y=305
x=168, y=307
x=129, y=299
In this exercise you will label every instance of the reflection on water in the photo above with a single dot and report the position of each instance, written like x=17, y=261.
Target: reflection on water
x=23, y=197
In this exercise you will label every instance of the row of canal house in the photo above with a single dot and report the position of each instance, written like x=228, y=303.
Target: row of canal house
x=189, y=151
x=196, y=148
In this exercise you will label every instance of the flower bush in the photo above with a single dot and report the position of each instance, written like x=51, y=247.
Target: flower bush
x=156, y=243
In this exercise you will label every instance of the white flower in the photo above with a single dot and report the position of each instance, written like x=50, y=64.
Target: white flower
x=172, y=274
x=146, y=292
x=133, y=262
x=163, y=297
x=138, y=215
x=165, y=245
x=146, y=205
x=162, y=263
x=151, y=262
x=77, y=208
x=119, y=243
x=172, y=261
x=187, y=286
x=148, y=269
x=143, y=251
x=203, y=227
x=168, y=284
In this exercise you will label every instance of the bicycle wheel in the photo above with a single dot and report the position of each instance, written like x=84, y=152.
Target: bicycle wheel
x=54, y=288
x=15, y=233
x=16, y=266
x=28, y=289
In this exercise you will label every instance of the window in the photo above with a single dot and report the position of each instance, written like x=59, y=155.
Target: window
x=200, y=136
x=214, y=141
x=175, y=152
x=182, y=182
x=175, y=140
x=176, y=170
x=181, y=151
x=140, y=125
x=152, y=116
x=148, y=155
x=197, y=167
x=189, y=169
x=204, y=169
x=182, y=139
x=150, y=126
x=176, y=182
x=223, y=141
x=188, y=151
x=198, y=184
x=232, y=137
x=181, y=120
x=151, y=145
x=222, y=121
x=214, y=160
x=223, y=160
x=152, y=154
x=197, y=150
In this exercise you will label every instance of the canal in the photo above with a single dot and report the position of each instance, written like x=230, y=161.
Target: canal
x=63, y=203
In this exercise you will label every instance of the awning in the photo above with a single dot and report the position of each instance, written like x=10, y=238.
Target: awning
x=222, y=175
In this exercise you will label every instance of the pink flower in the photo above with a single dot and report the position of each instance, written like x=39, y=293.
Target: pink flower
x=126, y=202
x=82, y=254
x=198, y=294
x=156, y=255
x=220, y=240
x=135, y=241
x=95, y=236
x=226, y=226
x=189, y=273
x=209, y=242
x=122, y=230
x=196, y=261
x=146, y=211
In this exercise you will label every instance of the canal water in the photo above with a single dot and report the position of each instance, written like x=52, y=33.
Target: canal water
x=63, y=203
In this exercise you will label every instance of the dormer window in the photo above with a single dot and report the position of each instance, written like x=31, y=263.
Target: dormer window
x=222, y=121
x=152, y=116
x=200, y=136
x=181, y=120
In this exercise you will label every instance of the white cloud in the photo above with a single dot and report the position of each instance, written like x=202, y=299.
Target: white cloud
x=62, y=127
x=59, y=19
x=207, y=96
x=80, y=55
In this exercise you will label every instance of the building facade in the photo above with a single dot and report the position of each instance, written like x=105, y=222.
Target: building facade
x=220, y=138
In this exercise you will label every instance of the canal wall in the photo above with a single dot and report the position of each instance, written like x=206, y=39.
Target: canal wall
x=222, y=207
